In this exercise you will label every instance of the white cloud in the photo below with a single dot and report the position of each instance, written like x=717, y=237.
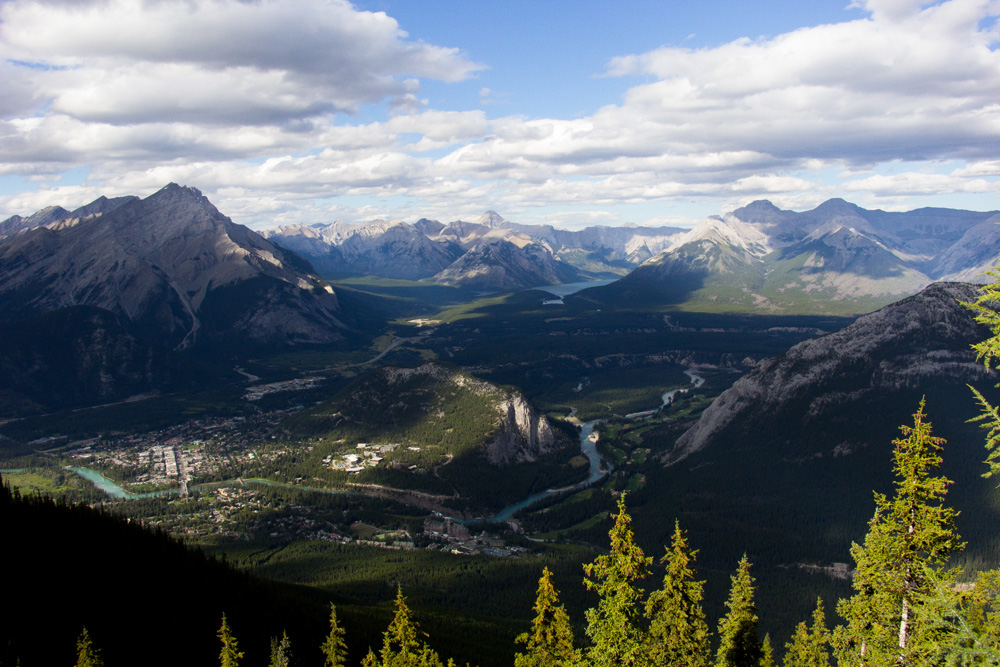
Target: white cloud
x=218, y=61
x=243, y=100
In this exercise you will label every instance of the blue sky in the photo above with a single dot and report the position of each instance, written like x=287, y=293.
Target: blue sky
x=568, y=113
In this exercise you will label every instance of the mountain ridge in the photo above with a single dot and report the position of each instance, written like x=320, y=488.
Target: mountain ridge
x=155, y=263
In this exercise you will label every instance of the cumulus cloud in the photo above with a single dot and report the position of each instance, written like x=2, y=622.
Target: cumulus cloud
x=217, y=61
x=245, y=100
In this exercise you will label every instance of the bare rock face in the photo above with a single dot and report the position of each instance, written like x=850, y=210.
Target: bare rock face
x=902, y=347
x=524, y=435
x=174, y=268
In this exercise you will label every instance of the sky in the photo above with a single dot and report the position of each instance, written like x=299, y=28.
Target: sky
x=563, y=112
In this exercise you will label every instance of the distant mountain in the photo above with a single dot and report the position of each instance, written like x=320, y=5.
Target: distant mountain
x=390, y=249
x=57, y=216
x=836, y=258
x=173, y=270
x=427, y=247
x=503, y=266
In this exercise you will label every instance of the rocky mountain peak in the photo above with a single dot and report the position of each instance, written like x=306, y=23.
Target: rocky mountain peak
x=491, y=219
x=761, y=210
x=158, y=261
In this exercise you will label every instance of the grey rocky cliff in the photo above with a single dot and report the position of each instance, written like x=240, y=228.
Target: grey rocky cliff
x=900, y=347
x=524, y=435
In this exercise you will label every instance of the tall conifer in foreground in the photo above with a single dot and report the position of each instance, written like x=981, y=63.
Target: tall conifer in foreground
x=910, y=532
x=766, y=652
x=616, y=639
x=550, y=641
x=808, y=646
x=334, y=647
x=984, y=307
x=678, y=633
x=401, y=646
x=230, y=655
x=738, y=642
x=281, y=651
x=87, y=654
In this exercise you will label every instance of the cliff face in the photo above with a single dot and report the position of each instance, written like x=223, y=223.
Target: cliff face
x=907, y=347
x=524, y=435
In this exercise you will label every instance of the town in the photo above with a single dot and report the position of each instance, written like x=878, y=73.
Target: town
x=220, y=478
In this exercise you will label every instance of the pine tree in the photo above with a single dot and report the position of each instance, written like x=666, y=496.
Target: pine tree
x=334, y=646
x=616, y=639
x=984, y=307
x=807, y=647
x=909, y=533
x=87, y=655
x=678, y=633
x=230, y=654
x=281, y=651
x=739, y=645
x=401, y=646
x=766, y=652
x=550, y=642
x=960, y=627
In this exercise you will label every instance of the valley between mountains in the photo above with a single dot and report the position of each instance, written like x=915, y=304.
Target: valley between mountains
x=359, y=408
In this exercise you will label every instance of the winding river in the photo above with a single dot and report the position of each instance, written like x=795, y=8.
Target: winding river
x=588, y=447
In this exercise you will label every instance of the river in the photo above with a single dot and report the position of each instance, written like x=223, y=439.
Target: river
x=669, y=396
x=588, y=447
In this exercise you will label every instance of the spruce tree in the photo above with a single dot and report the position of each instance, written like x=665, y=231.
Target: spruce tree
x=807, y=647
x=334, y=647
x=401, y=646
x=910, y=532
x=230, y=654
x=766, y=652
x=616, y=639
x=984, y=307
x=678, y=633
x=960, y=627
x=281, y=651
x=550, y=642
x=738, y=642
x=87, y=655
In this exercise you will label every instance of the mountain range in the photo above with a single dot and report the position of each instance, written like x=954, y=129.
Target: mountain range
x=837, y=258
x=489, y=253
